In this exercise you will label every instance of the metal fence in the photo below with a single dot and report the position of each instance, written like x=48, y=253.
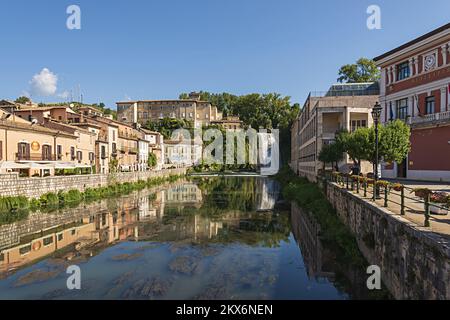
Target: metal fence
x=387, y=192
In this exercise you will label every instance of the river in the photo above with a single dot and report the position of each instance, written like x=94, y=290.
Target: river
x=202, y=238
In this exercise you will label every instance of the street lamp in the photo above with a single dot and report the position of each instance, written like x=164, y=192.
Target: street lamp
x=376, y=113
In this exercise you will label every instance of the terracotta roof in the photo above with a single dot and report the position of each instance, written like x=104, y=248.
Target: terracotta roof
x=29, y=127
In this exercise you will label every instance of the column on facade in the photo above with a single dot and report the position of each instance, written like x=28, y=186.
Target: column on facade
x=443, y=99
x=410, y=105
x=444, y=54
x=411, y=62
x=389, y=70
x=387, y=77
x=394, y=74
x=416, y=65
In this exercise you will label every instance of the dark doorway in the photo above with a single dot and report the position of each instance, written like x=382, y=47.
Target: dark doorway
x=401, y=169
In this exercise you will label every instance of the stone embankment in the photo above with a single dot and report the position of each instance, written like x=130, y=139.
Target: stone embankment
x=12, y=185
x=414, y=261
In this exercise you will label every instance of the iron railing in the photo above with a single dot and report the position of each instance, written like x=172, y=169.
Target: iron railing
x=386, y=193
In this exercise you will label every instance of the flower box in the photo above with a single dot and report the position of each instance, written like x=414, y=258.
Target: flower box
x=438, y=208
x=397, y=187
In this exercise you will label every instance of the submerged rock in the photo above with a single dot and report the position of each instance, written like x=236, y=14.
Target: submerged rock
x=184, y=264
x=154, y=288
x=126, y=257
x=36, y=276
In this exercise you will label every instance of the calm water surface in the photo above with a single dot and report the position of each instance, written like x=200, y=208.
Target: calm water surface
x=207, y=238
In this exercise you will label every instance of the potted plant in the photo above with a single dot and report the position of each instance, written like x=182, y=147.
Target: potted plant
x=370, y=181
x=382, y=183
x=439, y=203
x=397, y=187
x=421, y=192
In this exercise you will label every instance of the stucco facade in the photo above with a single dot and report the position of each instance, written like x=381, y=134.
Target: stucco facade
x=415, y=85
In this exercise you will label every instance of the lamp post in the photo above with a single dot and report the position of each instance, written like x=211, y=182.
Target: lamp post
x=376, y=113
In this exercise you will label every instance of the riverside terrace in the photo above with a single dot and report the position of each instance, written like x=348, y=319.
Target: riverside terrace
x=409, y=199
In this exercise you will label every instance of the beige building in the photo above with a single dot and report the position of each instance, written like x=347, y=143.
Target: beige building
x=229, y=123
x=343, y=107
x=182, y=153
x=83, y=150
x=32, y=149
x=200, y=113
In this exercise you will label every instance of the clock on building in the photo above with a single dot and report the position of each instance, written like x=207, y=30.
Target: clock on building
x=430, y=61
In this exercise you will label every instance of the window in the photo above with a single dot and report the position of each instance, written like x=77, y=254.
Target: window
x=429, y=105
x=403, y=71
x=48, y=241
x=91, y=156
x=355, y=124
x=114, y=148
x=72, y=232
x=23, y=151
x=72, y=153
x=1, y=150
x=46, y=152
x=103, y=152
x=79, y=155
x=59, y=151
x=24, y=250
x=190, y=114
x=60, y=237
x=114, y=135
x=2, y=257
x=402, y=109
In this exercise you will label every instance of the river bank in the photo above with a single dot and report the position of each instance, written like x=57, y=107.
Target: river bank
x=14, y=208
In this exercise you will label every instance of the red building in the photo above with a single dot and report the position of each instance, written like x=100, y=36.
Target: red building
x=415, y=83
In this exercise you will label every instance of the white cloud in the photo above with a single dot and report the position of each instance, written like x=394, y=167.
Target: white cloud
x=44, y=83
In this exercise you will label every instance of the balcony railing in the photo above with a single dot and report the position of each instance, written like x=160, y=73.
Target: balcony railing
x=431, y=117
x=35, y=157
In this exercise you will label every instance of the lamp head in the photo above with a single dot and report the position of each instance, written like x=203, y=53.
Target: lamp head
x=376, y=111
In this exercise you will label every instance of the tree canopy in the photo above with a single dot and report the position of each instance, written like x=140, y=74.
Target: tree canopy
x=393, y=145
x=22, y=100
x=364, y=70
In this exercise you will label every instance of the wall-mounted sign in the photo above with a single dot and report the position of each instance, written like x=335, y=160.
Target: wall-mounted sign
x=35, y=146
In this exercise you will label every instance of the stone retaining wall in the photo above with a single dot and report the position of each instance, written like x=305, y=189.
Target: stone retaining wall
x=415, y=262
x=12, y=185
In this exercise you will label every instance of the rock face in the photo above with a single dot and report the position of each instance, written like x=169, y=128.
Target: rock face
x=415, y=263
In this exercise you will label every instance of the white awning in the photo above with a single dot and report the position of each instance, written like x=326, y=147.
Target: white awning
x=12, y=165
x=64, y=165
x=34, y=165
x=78, y=165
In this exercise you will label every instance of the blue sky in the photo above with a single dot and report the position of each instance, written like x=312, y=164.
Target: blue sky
x=156, y=49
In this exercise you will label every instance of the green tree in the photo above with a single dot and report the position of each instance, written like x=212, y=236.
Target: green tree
x=364, y=70
x=394, y=141
x=166, y=126
x=358, y=144
x=23, y=100
x=152, y=160
x=331, y=153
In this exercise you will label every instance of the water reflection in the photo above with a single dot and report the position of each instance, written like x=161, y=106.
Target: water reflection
x=207, y=238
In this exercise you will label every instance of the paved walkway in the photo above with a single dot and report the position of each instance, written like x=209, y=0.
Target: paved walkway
x=414, y=207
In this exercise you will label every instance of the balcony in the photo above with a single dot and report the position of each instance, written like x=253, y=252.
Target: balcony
x=429, y=118
x=35, y=157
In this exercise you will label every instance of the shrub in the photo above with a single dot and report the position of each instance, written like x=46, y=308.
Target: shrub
x=49, y=199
